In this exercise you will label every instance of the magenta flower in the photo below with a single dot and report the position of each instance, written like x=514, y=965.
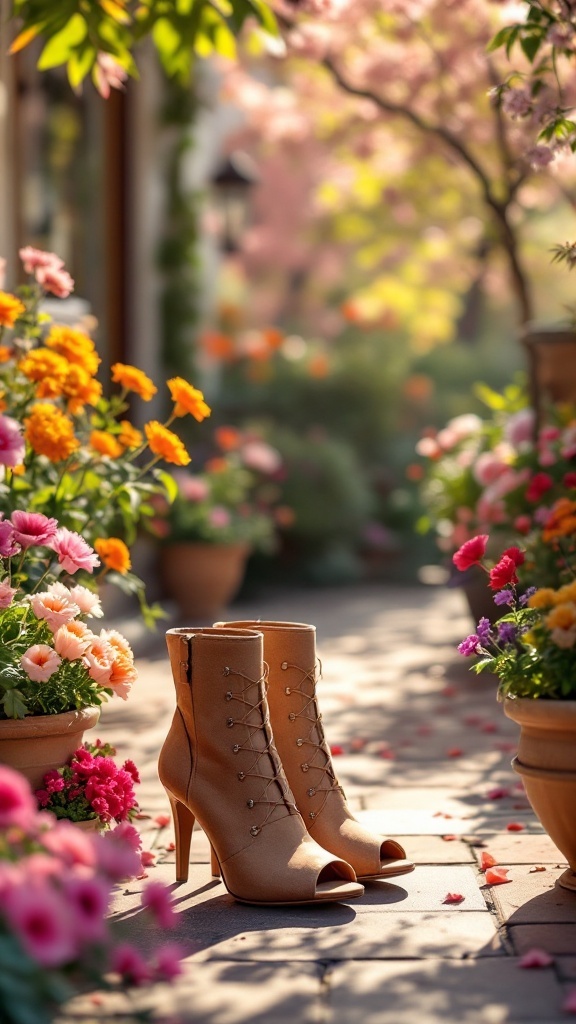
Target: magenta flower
x=8, y=545
x=32, y=528
x=169, y=961
x=470, y=646
x=127, y=962
x=73, y=551
x=17, y=805
x=6, y=594
x=42, y=924
x=87, y=899
x=471, y=553
x=158, y=899
x=12, y=446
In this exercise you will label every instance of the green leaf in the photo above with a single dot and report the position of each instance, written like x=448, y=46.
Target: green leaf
x=169, y=484
x=502, y=37
x=531, y=44
x=80, y=64
x=14, y=705
x=59, y=48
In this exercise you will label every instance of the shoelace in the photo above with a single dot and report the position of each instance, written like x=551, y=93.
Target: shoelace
x=269, y=750
x=321, y=759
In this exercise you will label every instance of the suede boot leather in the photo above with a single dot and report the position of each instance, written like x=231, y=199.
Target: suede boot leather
x=220, y=766
x=290, y=651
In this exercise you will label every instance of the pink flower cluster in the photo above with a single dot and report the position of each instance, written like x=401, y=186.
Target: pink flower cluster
x=33, y=529
x=55, y=888
x=48, y=269
x=91, y=783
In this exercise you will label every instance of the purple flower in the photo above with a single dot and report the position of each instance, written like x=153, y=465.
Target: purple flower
x=470, y=646
x=504, y=597
x=483, y=630
x=526, y=597
x=507, y=632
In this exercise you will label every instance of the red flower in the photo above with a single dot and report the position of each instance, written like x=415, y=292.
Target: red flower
x=471, y=552
x=569, y=480
x=539, y=484
x=503, y=573
x=517, y=556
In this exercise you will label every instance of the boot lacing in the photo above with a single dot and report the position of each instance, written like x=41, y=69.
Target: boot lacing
x=320, y=758
x=263, y=725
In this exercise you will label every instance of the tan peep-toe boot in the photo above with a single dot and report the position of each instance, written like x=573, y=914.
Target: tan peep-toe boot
x=290, y=651
x=219, y=765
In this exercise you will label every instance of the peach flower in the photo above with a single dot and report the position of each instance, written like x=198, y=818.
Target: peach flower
x=87, y=601
x=99, y=659
x=72, y=640
x=40, y=662
x=55, y=609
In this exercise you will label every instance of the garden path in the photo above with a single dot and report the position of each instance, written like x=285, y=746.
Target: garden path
x=426, y=757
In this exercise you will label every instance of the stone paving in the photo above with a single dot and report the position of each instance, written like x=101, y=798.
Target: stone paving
x=426, y=753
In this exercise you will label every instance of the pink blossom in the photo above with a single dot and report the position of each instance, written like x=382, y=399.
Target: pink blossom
x=73, y=551
x=169, y=961
x=127, y=962
x=8, y=546
x=17, y=805
x=32, y=528
x=108, y=74
x=2, y=271
x=539, y=156
x=42, y=924
x=87, y=899
x=156, y=897
x=57, y=611
x=33, y=258
x=519, y=428
x=191, y=487
x=219, y=517
x=471, y=553
x=71, y=845
x=517, y=102
x=536, y=958
x=487, y=468
x=72, y=640
x=54, y=280
x=99, y=658
x=147, y=858
x=261, y=457
x=6, y=594
x=117, y=850
x=569, y=1004
x=429, y=448
x=522, y=524
x=12, y=445
x=40, y=662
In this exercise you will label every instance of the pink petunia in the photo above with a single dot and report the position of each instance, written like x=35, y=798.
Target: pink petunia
x=33, y=258
x=57, y=611
x=55, y=280
x=6, y=594
x=17, y=804
x=88, y=602
x=156, y=897
x=40, y=662
x=12, y=446
x=87, y=899
x=471, y=553
x=42, y=924
x=73, y=551
x=71, y=845
x=118, y=856
x=168, y=961
x=127, y=962
x=72, y=640
x=8, y=545
x=32, y=528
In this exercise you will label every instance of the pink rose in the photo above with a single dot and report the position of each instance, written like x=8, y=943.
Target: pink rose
x=73, y=551
x=40, y=662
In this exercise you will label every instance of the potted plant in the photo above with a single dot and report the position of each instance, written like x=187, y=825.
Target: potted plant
x=531, y=648
x=217, y=517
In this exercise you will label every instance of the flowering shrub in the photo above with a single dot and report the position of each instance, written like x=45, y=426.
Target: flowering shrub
x=531, y=647
x=91, y=787
x=50, y=660
x=66, y=449
x=232, y=499
x=56, y=884
x=492, y=475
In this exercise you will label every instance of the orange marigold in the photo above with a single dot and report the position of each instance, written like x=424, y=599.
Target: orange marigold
x=80, y=389
x=50, y=432
x=75, y=346
x=228, y=438
x=10, y=309
x=133, y=379
x=114, y=554
x=106, y=444
x=6, y=353
x=47, y=368
x=129, y=436
x=188, y=399
x=166, y=444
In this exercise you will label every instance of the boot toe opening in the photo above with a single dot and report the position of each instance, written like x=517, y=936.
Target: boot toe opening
x=336, y=871
x=391, y=849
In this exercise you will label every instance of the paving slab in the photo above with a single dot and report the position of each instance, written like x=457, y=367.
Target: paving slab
x=533, y=898
x=466, y=992
x=556, y=939
x=521, y=848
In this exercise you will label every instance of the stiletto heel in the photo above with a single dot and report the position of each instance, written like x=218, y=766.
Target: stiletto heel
x=290, y=652
x=219, y=765
x=183, y=826
x=214, y=865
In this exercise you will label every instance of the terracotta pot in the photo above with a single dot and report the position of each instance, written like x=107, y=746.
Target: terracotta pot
x=38, y=743
x=202, y=578
x=546, y=760
x=552, y=357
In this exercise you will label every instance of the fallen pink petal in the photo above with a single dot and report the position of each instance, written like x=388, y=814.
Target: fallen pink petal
x=535, y=958
x=498, y=793
x=569, y=1004
x=487, y=860
x=497, y=876
x=515, y=826
x=453, y=897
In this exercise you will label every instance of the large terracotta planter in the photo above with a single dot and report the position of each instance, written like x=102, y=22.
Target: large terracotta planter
x=38, y=743
x=202, y=578
x=551, y=352
x=546, y=760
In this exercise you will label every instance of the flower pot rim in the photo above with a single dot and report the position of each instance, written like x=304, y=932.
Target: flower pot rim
x=243, y=545
x=66, y=721
x=542, y=712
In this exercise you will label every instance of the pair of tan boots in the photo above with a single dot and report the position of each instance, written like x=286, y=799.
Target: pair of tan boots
x=246, y=756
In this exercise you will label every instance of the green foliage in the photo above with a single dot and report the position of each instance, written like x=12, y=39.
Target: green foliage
x=76, y=33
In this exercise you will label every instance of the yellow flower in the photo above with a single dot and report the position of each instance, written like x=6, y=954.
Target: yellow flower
x=80, y=389
x=47, y=368
x=543, y=598
x=106, y=444
x=10, y=309
x=50, y=432
x=114, y=554
x=188, y=399
x=566, y=593
x=166, y=444
x=129, y=436
x=133, y=379
x=75, y=346
x=562, y=617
